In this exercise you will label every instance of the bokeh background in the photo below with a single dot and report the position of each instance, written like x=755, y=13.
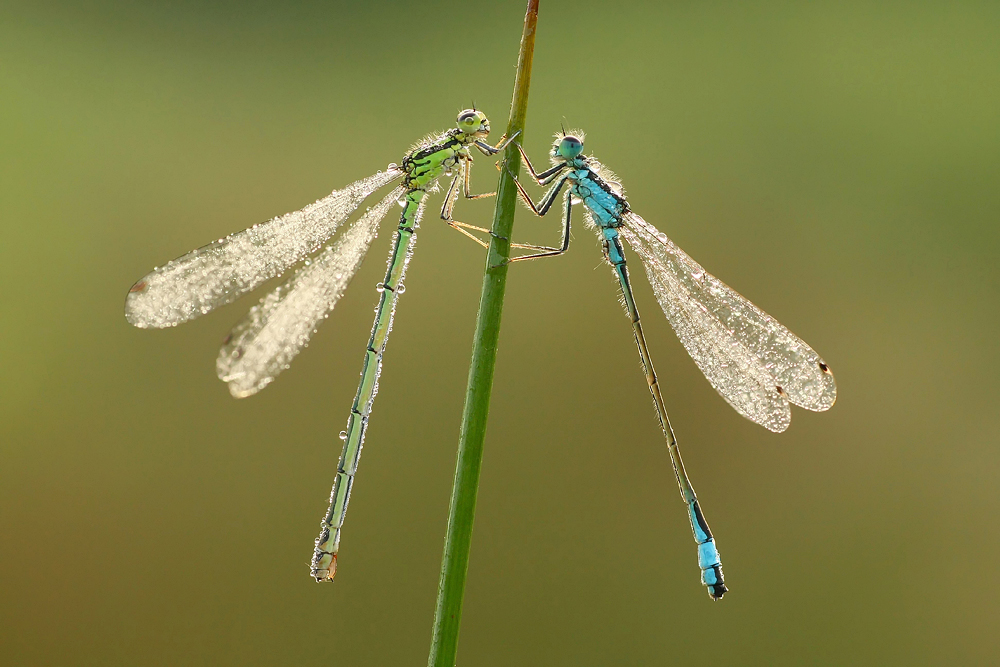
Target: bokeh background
x=836, y=162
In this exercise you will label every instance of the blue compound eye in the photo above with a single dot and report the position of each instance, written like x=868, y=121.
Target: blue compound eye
x=570, y=147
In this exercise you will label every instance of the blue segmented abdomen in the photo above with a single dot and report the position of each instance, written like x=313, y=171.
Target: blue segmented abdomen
x=606, y=209
x=708, y=554
x=612, y=246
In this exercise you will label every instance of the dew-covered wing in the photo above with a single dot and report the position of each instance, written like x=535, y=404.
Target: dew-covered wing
x=740, y=348
x=219, y=272
x=264, y=342
x=731, y=369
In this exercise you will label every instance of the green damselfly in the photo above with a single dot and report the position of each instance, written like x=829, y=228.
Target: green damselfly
x=264, y=342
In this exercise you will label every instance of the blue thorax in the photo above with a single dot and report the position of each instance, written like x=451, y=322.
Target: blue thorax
x=605, y=205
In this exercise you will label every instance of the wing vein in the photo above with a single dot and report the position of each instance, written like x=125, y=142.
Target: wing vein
x=734, y=343
x=265, y=341
x=218, y=273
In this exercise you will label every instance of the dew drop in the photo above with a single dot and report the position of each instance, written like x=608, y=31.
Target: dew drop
x=379, y=287
x=343, y=435
x=400, y=289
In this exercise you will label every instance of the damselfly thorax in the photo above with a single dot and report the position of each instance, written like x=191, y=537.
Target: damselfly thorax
x=606, y=206
x=424, y=166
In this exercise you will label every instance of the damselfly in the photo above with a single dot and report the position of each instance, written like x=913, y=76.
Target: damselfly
x=756, y=364
x=263, y=343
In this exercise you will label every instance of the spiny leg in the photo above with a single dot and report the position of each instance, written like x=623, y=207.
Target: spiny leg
x=468, y=195
x=486, y=149
x=541, y=210
x=546, y=203
x=546, y=176
x=552, y=252
x=449, y=205
x=461, y=227
x=467, y=190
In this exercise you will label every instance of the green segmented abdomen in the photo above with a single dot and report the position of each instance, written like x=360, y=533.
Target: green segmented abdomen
x=324, y=564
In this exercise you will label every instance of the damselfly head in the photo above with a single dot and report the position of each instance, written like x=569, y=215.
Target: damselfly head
x=567, y=146
x=473, y=122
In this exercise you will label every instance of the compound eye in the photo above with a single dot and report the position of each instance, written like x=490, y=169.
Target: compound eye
x=570, y=146
x=469, y=120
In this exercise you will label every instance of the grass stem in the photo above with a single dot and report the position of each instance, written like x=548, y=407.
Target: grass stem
x=462, y=510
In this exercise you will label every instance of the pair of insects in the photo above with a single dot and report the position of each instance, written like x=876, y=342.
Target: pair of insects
x=756, y=364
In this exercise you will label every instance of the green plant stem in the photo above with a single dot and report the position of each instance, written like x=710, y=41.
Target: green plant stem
x=462, y=510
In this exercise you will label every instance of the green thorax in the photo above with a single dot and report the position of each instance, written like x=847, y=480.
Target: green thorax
x=424, y=165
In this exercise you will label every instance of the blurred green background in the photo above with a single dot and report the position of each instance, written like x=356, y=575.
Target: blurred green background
x=838, y=163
